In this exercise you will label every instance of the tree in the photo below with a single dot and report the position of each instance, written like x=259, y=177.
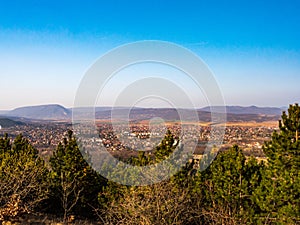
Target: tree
x=279, y=193
x=160, y=203
x=23, y=177
x=166, y=147
x=74, y=183
x=226, y=187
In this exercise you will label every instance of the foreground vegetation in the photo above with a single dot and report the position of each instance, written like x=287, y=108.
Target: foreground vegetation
x=233, y=190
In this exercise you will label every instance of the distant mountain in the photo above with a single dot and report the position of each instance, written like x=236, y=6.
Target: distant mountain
x=58, y=112
x=169, y=114
x=245, y=110
x=141, y=113
x=5, y=122
x=42, y=112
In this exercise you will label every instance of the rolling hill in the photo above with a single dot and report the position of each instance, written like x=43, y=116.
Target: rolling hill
x=245, y=110
x=42, y=112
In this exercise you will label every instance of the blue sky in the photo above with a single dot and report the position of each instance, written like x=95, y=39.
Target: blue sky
x=252, y=47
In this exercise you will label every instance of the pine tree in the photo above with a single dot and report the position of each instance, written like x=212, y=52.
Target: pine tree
x=226, y=187
x=165, y=148
x=75, y=185
x=5, y=144
x=279, y=193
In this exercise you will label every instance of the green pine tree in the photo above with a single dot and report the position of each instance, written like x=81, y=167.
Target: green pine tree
x=75, y=185
x=227, y=185
x=165, y=148
x=279, y=193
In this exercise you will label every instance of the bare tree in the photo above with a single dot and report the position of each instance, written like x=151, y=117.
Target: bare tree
x=70, y=193
x=160, y=203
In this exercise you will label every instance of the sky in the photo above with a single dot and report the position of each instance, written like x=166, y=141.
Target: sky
x=251, y=47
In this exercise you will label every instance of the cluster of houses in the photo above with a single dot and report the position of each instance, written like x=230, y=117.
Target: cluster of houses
x=136, y=137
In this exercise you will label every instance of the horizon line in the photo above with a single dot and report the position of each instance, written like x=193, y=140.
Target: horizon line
x=145, y=107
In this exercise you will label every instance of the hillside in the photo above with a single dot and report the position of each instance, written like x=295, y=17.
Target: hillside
x=245, y=110
x=170, y=114
x=42, y=112
x=5, y=122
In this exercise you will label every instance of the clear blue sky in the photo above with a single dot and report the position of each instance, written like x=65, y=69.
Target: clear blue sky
x=252, y=47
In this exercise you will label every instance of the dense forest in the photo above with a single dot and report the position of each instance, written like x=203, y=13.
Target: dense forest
x=232, y=190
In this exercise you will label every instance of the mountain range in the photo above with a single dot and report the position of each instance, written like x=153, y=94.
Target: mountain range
x=55, y=112
x=246, y=110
